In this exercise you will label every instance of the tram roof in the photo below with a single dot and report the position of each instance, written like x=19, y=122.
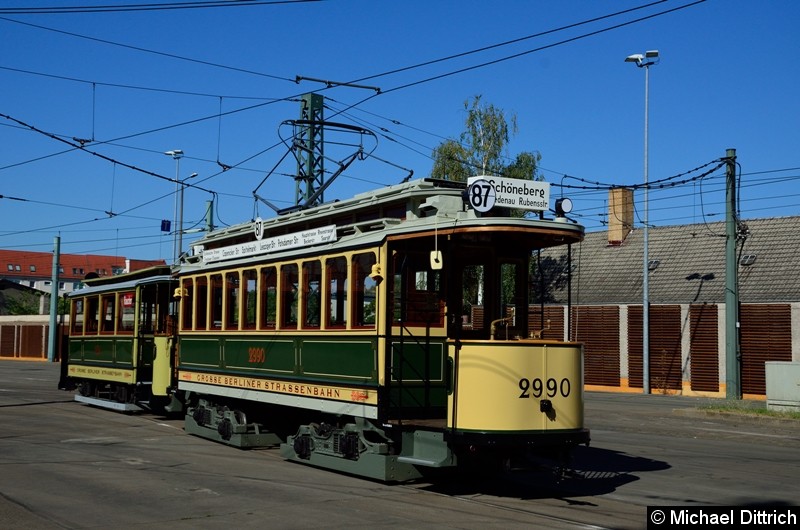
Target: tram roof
x=123, y=282
x=423, y=205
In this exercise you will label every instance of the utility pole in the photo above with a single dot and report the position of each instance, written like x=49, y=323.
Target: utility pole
x=210, y=216
x=733, y=389
x=52, y=337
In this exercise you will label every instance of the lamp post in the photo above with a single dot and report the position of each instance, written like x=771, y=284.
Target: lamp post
x=180, y=217
x=646, y=60
x=176, y=154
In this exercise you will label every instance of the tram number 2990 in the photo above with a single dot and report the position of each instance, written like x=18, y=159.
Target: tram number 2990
x=536, y=388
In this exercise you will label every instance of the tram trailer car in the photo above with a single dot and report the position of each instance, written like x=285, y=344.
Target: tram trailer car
x=388, y=335
x=121, y=341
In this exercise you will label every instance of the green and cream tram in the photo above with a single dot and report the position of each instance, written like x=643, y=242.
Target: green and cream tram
x=385, y=335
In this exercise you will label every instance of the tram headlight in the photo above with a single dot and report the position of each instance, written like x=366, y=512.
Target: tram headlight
x=563, y=206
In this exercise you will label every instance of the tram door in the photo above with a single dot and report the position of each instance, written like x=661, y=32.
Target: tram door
x=152, y=337
x=417, y=342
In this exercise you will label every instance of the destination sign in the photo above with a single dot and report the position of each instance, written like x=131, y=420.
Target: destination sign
x=304, y=238
x=508, y=193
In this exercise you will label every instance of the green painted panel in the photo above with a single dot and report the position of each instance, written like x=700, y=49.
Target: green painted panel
x=200, y=352
x=124, y=354
x=339, y=359
x=75, y=350
x=148, y=349
x=409, y=361
x=98, y=350
x=260, y=355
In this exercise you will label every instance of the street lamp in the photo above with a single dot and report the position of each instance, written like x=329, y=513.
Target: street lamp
x=177, y=154
x=645, y=61
x=180, y=217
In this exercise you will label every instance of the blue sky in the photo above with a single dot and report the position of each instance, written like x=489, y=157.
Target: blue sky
x=218, y=83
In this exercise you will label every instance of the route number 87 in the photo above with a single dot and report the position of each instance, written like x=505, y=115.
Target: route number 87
x=536, y=387
x=481, y=195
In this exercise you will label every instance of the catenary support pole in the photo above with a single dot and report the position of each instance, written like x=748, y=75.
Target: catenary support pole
x=52, y=343
x=733, y=389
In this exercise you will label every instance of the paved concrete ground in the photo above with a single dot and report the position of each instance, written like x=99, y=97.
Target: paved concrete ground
x=68, y=465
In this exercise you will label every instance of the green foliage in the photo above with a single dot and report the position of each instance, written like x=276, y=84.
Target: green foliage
x=23, y=303
x=447, y=162
x=482, y=147
x=524, y=166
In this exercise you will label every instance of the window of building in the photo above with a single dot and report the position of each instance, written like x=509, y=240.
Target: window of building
x=33, y=268
x=10, y=267
x=17, y=268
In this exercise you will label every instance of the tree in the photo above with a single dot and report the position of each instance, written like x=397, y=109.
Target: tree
x=482, y=146
x=22, y=303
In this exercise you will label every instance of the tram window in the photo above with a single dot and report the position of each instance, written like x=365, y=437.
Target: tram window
x=108, y=305
x=187, y=301
x=232, y=300
x=511, y=300
x=164, y=320
x=76, y=316
x=148, y=309
x=92, y=314
x=216, y=301
x=269, y=298
x=289, y=296
x=364, y=290
x=312, y=282
x=336, y=316
x=127, y=310
x=200, y=301
x=472, y=292
x=416, y=297
x=249, y=299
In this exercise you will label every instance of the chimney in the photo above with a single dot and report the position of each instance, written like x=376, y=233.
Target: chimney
x=620, y=215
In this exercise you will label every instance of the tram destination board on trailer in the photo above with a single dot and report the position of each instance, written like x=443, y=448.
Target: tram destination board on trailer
x=387, y=335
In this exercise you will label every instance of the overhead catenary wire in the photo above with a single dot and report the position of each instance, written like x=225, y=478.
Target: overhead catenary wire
x=388, y=135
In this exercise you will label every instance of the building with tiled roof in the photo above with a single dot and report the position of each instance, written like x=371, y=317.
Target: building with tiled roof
x=688, y=343
x=35, y=269
x=687, y=264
